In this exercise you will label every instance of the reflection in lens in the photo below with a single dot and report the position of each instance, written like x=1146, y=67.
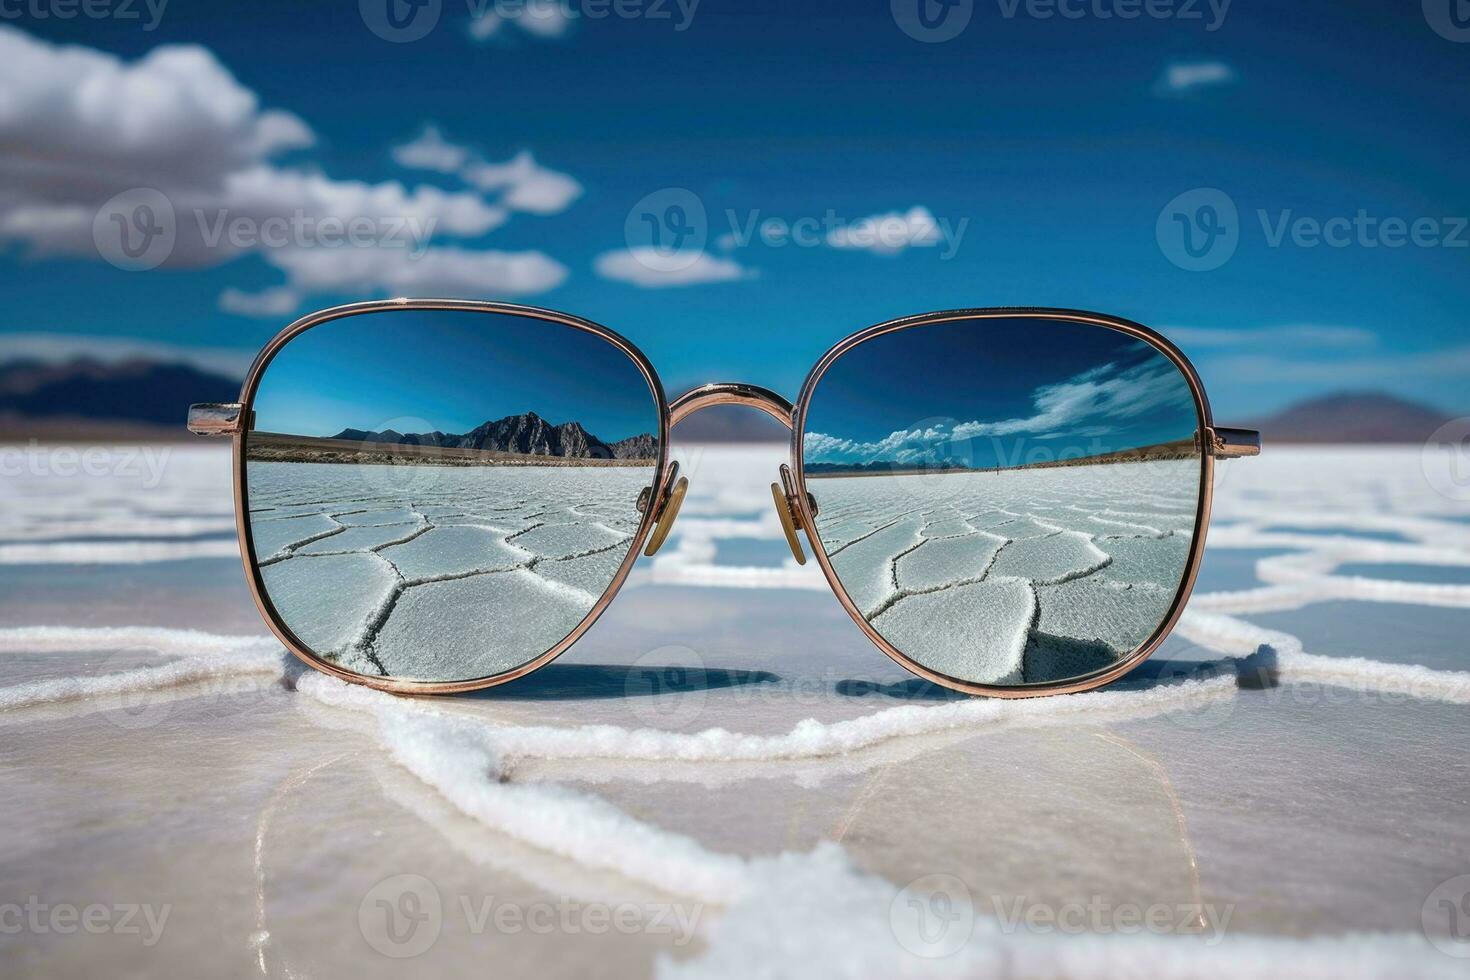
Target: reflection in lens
x=444, y=495
x=1006, y=500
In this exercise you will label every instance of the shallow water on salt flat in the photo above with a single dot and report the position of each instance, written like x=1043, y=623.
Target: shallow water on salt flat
x=266, y=819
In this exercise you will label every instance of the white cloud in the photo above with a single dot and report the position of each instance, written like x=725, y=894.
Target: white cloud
x=653, y=268
x=539, y=18
x=447, y=272
x=1377, y=369
x=527, y=185
x=78, y=127
x=277, y=301
x=430, y=151
x=888, y=234
x=53, y=348
x=1086, y=405
x=73, y=118
x=1181, y=78
x=1294, y=336
x=1103, y=392
x=523, y=184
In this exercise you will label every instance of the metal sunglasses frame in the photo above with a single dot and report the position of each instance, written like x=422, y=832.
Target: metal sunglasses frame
x=659, y=504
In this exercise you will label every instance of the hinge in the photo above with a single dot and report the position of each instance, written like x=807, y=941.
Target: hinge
x=215, y=419
x=1235, y=443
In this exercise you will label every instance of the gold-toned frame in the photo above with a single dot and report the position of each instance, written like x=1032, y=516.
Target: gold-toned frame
x=398, y=685
x=801, y=500
x=659, y=502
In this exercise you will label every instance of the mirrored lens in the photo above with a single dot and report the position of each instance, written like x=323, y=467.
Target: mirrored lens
x=444, y=495
x=1009, y=500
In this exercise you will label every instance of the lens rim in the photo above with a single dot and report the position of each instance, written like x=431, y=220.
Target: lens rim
x=395, y=685
x=1205, y=434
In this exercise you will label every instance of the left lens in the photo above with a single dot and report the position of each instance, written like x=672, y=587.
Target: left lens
x=444, y=495
x=1007, y=500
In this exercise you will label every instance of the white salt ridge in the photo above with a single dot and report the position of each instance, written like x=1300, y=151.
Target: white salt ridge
x=86, y=639
x=461, y=760
x=815, y=914
x=202, y=656
x=1297, y=579
x=118, y=526
x=808, y=739
x=1228, y=634
x=115, y=552
x=794, y=905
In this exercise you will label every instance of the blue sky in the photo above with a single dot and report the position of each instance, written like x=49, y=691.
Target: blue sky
x=1026, y=160
x=1057, y=390
x=427, y=370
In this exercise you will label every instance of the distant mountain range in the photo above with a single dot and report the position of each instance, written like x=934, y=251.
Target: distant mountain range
x=89, y=398
x=1360, y=417
x=526, y=435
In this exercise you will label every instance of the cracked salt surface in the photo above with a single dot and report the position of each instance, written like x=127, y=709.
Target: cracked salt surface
x=439, y=573
x=1079, y=564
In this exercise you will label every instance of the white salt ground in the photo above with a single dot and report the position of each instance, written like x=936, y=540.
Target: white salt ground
x=1307, y=805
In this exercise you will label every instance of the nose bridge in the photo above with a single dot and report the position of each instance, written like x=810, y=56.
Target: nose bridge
x=730, y=393
x=778, y=408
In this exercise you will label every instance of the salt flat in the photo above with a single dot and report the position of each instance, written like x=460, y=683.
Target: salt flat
x=1013, y=577
x=439, y=572
x=1284, y=783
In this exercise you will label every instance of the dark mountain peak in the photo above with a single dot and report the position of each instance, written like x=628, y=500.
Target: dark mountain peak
x=527, y=434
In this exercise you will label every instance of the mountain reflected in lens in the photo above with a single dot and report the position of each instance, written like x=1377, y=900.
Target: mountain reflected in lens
x=444, y=495
x=1007, y=501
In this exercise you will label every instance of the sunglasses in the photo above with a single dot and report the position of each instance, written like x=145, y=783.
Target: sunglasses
x=440, y=495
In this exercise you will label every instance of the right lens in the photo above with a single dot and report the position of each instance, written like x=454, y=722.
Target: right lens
x=1007, y=500
x=444, y=495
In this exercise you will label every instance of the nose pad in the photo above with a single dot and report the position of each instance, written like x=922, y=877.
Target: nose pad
x=786, y=511
x=667, y=509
